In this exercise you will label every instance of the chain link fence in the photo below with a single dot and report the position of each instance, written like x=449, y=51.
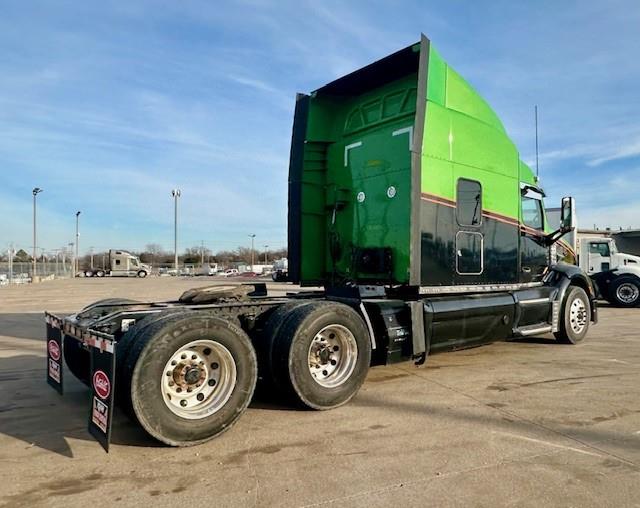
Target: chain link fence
x=19, y=272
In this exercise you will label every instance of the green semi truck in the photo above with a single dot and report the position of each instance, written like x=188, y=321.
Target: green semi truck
x=408, y=205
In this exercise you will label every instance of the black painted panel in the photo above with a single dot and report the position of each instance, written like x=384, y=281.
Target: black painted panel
x=439, y=229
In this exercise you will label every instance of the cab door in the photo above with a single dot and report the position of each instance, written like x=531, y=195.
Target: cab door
x=599, y=257
x=533, y=251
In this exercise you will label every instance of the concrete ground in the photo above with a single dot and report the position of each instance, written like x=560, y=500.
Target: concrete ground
x=523, y=423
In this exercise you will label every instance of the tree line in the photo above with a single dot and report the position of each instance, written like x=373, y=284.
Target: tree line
x=155, y=255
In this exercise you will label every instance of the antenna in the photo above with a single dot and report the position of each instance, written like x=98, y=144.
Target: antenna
x=536, y=115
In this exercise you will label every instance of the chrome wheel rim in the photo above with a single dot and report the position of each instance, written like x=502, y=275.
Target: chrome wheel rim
x=578, y=315
x=333, y=354
x=627, y=292
x=198, y=379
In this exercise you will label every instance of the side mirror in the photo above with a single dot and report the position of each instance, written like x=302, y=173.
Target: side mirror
x=567, y=214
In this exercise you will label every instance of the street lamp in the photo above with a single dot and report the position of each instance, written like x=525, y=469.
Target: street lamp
x=176, y=194
x=265, y=254
x=75, y=267
x=252, y=236
x=36, y=191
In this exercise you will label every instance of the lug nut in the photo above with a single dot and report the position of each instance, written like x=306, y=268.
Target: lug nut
x=184, y=357
x=183, y=403
x=200, y=397
x=206, y=351
x=193, y=357
x=178, y=389
x=212, y=382
x=214, y=365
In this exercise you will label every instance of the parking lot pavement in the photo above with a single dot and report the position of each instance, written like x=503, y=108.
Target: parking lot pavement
x=524, y=423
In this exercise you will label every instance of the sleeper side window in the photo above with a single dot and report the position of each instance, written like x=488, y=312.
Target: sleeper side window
x=469, y=203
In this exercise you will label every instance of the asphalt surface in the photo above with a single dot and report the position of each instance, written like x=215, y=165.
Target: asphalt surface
x=522, y=423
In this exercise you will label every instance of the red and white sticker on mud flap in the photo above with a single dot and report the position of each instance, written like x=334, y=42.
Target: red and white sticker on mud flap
x=54, y=350
x=54, y=370
x=100, y=414
x=101, y=384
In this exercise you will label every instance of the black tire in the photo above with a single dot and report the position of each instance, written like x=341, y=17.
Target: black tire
x=265, y=342
x=292, y=346
x=77, y=358
x=625, y=292
x=145, y=365
x=123, y=378
x=142, y=274
x=574, y=325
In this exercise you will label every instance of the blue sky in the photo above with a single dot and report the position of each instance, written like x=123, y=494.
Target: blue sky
x=109, y=105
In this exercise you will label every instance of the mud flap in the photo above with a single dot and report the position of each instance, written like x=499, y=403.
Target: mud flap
x=103, y=369
x=55, y=374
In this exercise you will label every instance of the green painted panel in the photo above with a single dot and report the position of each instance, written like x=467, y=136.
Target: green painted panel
x=478, y=145
x=437, y=177
x=436, y=77
x=526, y=174
x=436, y=132
x=463, y=98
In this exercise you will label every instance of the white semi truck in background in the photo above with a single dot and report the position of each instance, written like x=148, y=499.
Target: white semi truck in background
x=121, y=264
x=616, y=274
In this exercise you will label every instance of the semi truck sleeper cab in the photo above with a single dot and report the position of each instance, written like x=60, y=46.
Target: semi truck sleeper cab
x=408, y=205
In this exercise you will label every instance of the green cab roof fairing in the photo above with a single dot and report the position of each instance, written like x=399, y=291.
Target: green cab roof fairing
x=407, y=123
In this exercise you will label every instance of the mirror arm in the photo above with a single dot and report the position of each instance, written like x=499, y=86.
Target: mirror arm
x=552, y=238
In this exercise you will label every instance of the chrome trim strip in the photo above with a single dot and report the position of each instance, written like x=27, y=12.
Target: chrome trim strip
x=542, y=329
x=534, y=301
x=480, y=288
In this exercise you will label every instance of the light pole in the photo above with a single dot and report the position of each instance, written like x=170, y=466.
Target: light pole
x=75, y=266
x=36, y=191
x=91, y=251
x=252, y=236
x=265, y=254
x=176, y=194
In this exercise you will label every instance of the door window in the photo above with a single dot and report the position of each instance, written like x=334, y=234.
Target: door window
x=532, y=213
x=469, y=258
x=469, y=203
x=601, y=248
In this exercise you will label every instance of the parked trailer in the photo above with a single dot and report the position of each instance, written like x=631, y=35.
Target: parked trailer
x=121, y=264
x=408, y=204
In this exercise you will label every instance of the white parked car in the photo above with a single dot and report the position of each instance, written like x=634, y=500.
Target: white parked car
x=231, y=272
